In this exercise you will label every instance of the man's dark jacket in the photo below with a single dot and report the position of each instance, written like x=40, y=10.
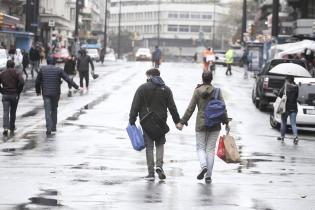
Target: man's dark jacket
x=69, y=67
x=84, y=62
x=34, y=54
x=159, y=98
x=11, y=81
x=49, y=80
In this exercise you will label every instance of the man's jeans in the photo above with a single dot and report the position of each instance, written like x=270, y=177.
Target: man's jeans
x=205, y=146
x=51, y=106
x=84, y=75
x=284, y=118
x=10, y=103
x=34, y=65
x=149, y=143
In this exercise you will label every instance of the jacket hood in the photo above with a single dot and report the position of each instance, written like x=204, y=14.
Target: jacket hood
x=157, y=80
x=205, y=91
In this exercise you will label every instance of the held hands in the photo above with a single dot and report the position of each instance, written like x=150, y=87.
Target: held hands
x=179, y=126
x=227, y=128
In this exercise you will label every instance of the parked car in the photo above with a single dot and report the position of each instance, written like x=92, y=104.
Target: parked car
x=93, y=53
x=3, y=59
x=143, y=54
x=110, y=57
x=267, y=84
x=61, y=55
x=220, y=58
x=305, y=119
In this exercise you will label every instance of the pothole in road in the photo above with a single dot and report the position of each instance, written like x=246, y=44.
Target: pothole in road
x=44, y=201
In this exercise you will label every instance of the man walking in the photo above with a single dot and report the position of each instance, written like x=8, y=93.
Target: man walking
x=156, y=57
x=34, y=59
x=83, y=64
x=48, y=83
x=155, y=96
x=229, y=61
x=12, y=84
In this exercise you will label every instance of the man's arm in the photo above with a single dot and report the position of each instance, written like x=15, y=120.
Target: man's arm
x=20, y=82
x=91, y=63
x=190, y=109
x=38, y=82
x=135, y=107
x=172, y=107
x=65, y=77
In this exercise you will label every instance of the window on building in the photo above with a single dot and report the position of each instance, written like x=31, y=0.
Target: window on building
x=195, y=15
x=183, y=28
x=206, y=16
x=194, y=28
x=206, y=29
x=172, y=15
x=72, y=14
x=184, y=15
x=172, y=28
x=311, y=9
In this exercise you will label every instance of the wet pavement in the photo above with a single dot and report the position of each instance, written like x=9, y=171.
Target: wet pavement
x=89, y=163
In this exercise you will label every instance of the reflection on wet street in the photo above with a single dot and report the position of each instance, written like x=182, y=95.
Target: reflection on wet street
x=90, y=164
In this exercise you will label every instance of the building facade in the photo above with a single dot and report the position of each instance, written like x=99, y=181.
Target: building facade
x=296, y=17
x=177, y=26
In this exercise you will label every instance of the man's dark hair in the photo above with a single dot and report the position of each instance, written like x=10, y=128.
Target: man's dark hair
x=50, y=60
x=153, y=72
x=10, y=64
x=207, y=77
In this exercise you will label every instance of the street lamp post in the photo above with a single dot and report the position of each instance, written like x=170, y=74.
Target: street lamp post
x=76, y=27
x=244, y=20
x=119, y=29
x=213, y=27
x=158, y=26
x=105, y=27
x=275, y=18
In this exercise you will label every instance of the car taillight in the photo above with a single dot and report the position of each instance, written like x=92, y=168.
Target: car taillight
x=266, y=83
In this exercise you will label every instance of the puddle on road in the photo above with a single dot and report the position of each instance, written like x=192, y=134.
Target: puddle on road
x=44, y=201
x=32, y=112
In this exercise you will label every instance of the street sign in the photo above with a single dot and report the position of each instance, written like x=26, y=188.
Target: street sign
x=34, y=24
x=51, y=23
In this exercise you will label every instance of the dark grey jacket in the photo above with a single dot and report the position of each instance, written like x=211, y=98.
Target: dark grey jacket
x=49, y=80
x=83, y=63
x=159, y=98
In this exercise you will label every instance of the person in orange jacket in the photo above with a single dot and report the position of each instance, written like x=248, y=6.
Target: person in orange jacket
x=208, y=57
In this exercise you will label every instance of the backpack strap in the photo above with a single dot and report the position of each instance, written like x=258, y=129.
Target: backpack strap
x=216, y=93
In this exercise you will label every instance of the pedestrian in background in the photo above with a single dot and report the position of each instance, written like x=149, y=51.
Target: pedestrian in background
x=83, y=67
x=206, y=137
x=25, y=62
x=292, y=92
x=246, y=62
x=155, y=96
x=34, y=59
x=12, y=84
x=48, y=84
x=69, y=68
x=42, y=53
x=156, y=57
x=102, y=55
x=229, y=61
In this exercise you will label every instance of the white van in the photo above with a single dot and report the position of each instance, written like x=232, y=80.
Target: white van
x=305, y=119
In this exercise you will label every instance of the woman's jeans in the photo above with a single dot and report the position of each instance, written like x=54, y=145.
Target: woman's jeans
x=284, y=118
x=10, y=103
x=51, y=107
x=205, y=145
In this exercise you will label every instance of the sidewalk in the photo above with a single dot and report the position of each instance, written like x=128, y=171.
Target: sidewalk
x=30, y=117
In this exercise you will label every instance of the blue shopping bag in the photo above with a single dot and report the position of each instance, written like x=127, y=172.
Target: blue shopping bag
x=136, y=137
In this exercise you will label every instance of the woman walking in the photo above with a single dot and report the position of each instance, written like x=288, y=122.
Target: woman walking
x=69, y=68
x=206, y=137
x=291, y=90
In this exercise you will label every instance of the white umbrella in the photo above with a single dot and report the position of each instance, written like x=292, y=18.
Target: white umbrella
x=290, y=69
